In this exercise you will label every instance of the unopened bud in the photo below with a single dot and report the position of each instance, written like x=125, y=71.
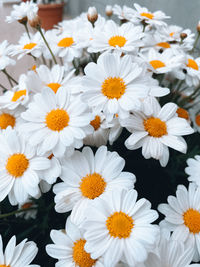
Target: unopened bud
x=183, y=35
x=198, y=27
x=92, y=14
x=23, y=20
x=109, y=11
x=35, y=23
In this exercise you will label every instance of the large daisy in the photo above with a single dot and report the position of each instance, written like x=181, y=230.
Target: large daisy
x=155, y=129
x=56, y=122
x=18, y=168
x=87, y=177
x=113, y=85
x=119, y=227
x=182, y=217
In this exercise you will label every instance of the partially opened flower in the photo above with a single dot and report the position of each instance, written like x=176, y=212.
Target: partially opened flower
x=124, y=13
x=119, y=227
x=5, y=60
x=87, y=177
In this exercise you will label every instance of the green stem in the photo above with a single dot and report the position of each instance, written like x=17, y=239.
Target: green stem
x=196, y=41
x=9, y=76
x=40, y=31
x=3, y=87
x=25, y=25
x=5, y=215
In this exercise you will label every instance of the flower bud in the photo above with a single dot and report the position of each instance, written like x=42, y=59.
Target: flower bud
x=35, y=23
x=183, y=35
x=23, y=20
x=109, y=11
x=92, y=14
x=198, y=27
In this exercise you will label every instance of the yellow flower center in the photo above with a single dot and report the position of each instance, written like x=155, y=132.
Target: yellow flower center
x=27, y=205
x=192, y=64
x=18, y=94
x=29, y=46
x=80, y=256
x=96, y=122
x=54, y=86
x=3, y=265
x=171, y=34
x=147, y=15
x=192, y=220
x=57, y=119
x=182, y=113
x=17, y=164
x=155, y=127
x=92, y=185
x=117, y=41
x=33, y=68
x=66, y=42
x=164, y=45
x=7, y=120
x=197, y=119
x=113, y=87
x=119, y=224
x=156, y=64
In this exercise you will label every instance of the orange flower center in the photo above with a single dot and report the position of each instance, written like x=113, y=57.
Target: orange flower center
x=66, y=42
x=57, y=119
x=113, y=87
x=96, y=122
x=147, y=15
x=33, y=68
x=117, y=41
x=192, y=64
x=54, y=86
x=18, y=94
x=155, y=127
x=171, y=34
x=164, y=45
x=17, y=164
x=27, y=205
x=92, y=185
x=80, y=256
x=192, y=220
x=197, y=119
x=7, y=120
x=182, y=113
x=3, y=265
x=29, y=46
x=119, y=224
x=156, y=64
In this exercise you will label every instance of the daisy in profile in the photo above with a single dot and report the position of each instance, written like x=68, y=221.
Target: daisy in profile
x=125, y=38
x=182, y=217
x=18, y=168
x=151, y=18
x=192, y=71
x=68, y=248
x=156, y=129
x=18, y=255
x=5, y=60
x=10, y=118
x=30, y=210
x=124, y=13
x=113, y=85
x=195, y=117
x=87, y=177
x=193, y=169
x=17, y=97
x=33, y=45
x=56, y=122
x=121, y=228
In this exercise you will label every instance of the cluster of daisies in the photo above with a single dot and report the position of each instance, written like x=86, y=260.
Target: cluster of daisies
x=93, y=78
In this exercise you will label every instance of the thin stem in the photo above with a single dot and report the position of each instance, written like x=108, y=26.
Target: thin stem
x=40, y=31
x=5, y=215
x=9, y=76
x=25, y=25
x=196, y=41
x=3, y=87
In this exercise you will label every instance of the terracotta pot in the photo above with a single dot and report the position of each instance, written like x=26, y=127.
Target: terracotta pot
x=50, y=14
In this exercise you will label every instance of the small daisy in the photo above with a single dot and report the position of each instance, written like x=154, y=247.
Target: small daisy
x=183, y=113
x=18, y=168
x=56, y=122
x=10, y=118
x=157, y=130
x=195, y=117
x=124, y=13
x=125, y=38
x=193, y=169
x=114, y=85
x=87, y=177
x=69, y=249
x=119, y=227
x=18, y=255
x=192, y=71
x=182, y=217
x=5, y=60
x=33, y=45
x=150, y=18
x=28, y=213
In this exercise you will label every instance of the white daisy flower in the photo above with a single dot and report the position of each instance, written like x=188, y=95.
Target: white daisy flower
x=182, y=217
x=56, y=122
x=195, y=117
x=27, y=213
x=33, y=45
x=151, y=18
x=23, y=11
x=18, y=168
x=87, y=177
x=18, y=96
x=69, y=249
x=119, y=227
x=115, y=129
x=156, y=129
x=193, y=169
x=125, y=38
x=10, y=118
x=192, y=71
x=5, y=60
x=124, y=13
x=18, y=255
x=113, y=85
x=162, y=62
